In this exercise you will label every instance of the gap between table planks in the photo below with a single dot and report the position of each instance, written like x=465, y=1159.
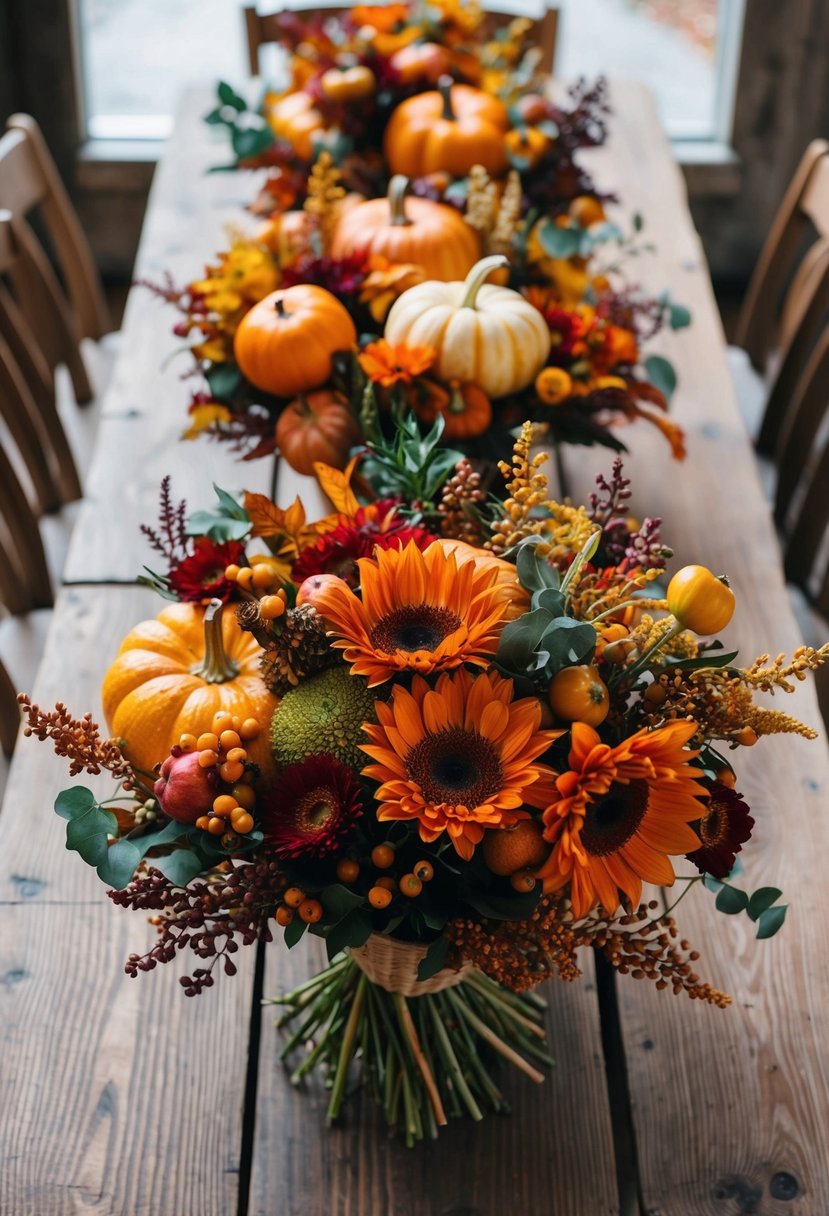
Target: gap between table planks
x=730, y=1109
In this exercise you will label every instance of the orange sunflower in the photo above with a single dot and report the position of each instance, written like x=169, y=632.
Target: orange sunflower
x=619, y=812
x=419, y=611
x=458, y=757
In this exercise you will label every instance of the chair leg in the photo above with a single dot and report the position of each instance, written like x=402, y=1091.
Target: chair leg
x=9, y=712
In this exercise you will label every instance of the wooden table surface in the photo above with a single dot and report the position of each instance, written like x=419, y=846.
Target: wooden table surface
x=121, y=1097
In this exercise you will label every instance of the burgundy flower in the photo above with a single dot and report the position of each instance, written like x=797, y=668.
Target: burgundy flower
x=723, y=830
x=376, y=526
x=312, y=808
x=342, y=276
x=201, y=576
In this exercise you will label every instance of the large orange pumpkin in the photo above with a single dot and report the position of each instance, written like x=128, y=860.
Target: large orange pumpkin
x=413, y=230
x=319, y=426
x=453, y=129
x=285, y=344
x=173, y=673
x=294, y=118
x=519, y=598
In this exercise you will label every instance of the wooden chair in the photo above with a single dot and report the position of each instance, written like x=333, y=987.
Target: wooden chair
x=27, y=398
x=263, y=28
x=788, y=298
x=9, y=712
x=60, y=311
x=25, y=582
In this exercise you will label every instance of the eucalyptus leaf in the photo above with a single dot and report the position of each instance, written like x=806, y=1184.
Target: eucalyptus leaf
x=661, y=374
x=534, y=572
x=550, y=599
x=434, y=959
x=558, y=242
x=711, y=883
x=224, y=380
x=181, y=866
x=679, y=317
x=353, y=930
x=88, y=834
x=229, y=97
x=569, y=643
x=73, y=802
x=771, y=920
x=520, y=638
x=120, y=863
x=762, y=899
x=731, y=900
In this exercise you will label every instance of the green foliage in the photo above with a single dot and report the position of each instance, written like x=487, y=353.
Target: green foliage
x=761, y=907
x=353, y=930
x=661, y=374
x=294, y=931
x=223, y=380
x=409, y=464
x=230, y=521
x=249, y=133
x=434, y=959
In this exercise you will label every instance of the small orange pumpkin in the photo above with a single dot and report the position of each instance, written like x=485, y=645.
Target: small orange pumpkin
x=466, y=410
x=578, y=694
x=526, y=146
x=286, y=343
x=348, y=84
x=700, y=601
x=294, y=118
x=285, y=235
x=420, y=61
x=518, y=597
x=409, y=230
x=173, y=673
x=317, y=427
x=453, y=128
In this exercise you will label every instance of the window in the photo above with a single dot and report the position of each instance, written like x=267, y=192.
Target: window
x=138, y=56
x=686, y=51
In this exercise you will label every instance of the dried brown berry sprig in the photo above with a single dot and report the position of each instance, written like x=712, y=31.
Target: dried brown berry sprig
x=79, y=739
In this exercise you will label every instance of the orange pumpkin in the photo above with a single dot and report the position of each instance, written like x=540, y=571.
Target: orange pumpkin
x=518, y=596
x=414, y=230
x=700, y=601
x=578, y=694
x=466, y=410
x=319, y=426
x=173, y=673
x=526, y=146
x=295, y=119
x=348, y=84
x=285, y=344
x=452, y=128
x=420, y=61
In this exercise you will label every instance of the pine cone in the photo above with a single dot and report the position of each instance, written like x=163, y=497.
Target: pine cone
x=300, y=649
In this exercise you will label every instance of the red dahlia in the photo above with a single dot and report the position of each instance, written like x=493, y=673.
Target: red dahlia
x=312, y=809
x=201, y=576
x=723, y=830
x=376, y=526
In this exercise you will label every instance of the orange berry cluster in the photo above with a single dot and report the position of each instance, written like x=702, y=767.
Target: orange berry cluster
x=257, y=580
x=221, y=747
x=384, y=889
x=296, y=903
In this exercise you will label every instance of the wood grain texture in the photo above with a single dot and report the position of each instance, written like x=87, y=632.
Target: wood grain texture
x=118, y=1097
x=731, y=1109
x=145, y=408
x=552, y=1154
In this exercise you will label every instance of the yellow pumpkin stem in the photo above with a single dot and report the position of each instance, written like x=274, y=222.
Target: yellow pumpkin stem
x=398, y=186
x=216, y=667
x=481, y=271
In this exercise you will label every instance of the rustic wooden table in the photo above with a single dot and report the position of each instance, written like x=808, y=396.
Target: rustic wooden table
x=122, y=1098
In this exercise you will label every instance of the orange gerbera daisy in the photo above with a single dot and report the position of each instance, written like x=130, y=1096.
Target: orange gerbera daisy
x=458, y=757
x=619, y=812
x=386, y=365
x=419, y=611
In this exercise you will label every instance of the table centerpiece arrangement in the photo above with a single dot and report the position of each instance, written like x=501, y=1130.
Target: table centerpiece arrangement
x=454, y=741
x=375, y=210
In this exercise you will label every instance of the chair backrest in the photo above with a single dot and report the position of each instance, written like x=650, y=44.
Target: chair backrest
x=27, y=399
x=788, y=296
x=262, y=28
x=801, y=506
x=29, y=181
x=9, y=712
x=25, y=582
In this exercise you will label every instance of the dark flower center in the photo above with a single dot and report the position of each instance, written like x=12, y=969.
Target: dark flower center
x=713, y=828
x=455, y=766
x=611, y=821
x=415, y=627
x=316, y=809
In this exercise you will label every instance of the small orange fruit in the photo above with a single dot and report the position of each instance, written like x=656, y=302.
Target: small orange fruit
x=578, y=694
x=293, y=897
x=410, y=885
x=520, y=848
x=284, y=916
x=310, y=910
x=379, y=897
x=522, y=881
x=425, y=871
x=382, y=856
x=347, y=870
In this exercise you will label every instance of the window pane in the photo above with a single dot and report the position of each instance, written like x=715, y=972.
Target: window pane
x=684, y=50
x=138, y=55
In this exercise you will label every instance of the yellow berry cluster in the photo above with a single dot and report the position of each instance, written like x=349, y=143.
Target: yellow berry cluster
x=221, y=748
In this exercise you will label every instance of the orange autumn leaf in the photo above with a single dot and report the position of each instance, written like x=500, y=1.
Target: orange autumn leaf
x=336, y=484
x=270, y=520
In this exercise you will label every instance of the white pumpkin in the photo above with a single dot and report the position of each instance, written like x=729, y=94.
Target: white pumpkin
x=489, y=335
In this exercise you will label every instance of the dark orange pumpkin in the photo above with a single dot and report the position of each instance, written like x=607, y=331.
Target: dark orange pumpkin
x=452, y=128
x=420, y=61
x=319, y=426
x=414, y=230
x=286, y=343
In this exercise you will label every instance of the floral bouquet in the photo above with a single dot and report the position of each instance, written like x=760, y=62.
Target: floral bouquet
x=455, y=742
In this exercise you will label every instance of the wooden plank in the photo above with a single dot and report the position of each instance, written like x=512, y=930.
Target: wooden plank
x=133, y=453
x=87, y=628
x=533, y=1160
x=728, y=1106
x=118, y=1097
x=144, y=409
